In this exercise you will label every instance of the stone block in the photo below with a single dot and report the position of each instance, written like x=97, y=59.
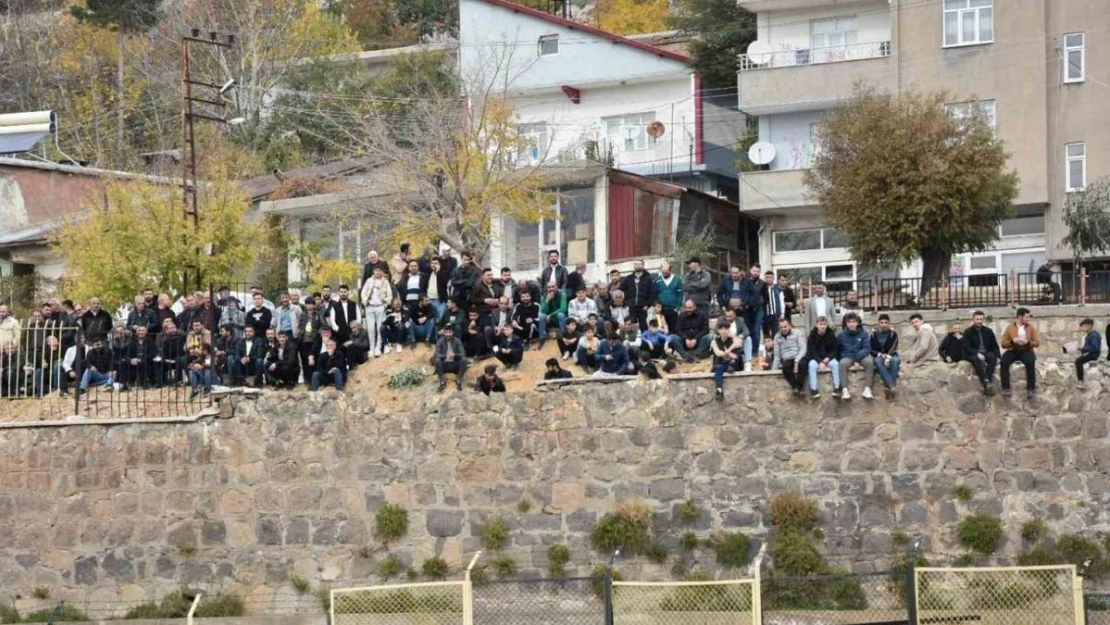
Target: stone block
x=443, y=523
x=804, y=461
x=568, y=496
x=666, y=490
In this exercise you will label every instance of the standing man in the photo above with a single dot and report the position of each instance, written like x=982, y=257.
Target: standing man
x=260, y=318
x=373, y=261
x=697, y=283
x=96, y=323
x=753, y=297
x=668, y=292
x=554, y=273
x=776, y=303
x=1020, y=340
x=639, y=291
x=819, y=305
x=287, y=319
x=343, y=313
x=981, y=348
x=728, y=293
x=483, y=299
x=789, y=298
x=9, y=328
x=463, y=280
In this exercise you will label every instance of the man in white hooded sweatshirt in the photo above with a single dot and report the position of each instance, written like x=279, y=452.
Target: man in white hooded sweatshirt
x=925, y=347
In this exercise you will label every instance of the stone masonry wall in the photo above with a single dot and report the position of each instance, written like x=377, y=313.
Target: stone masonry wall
x=290, y=482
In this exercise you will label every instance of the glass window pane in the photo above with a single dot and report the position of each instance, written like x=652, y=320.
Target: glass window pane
x=986, y=25
x=1075, y=64
x=521, y=245
x=803, y=275
x=1076, y=149
x=576, y=209
x=1074, y=40
x=967, y=27
x=951, y=28
x=797, y=241
x=983, y=262
x=839, y=272
x=1026, y=262
x=1020, y=226
x=835, y=239
x=955, y=4
x=1075, y=174
x=980, y=3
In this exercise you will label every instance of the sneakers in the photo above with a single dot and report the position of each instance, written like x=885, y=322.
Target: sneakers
x=1007, y=392
x=397, y=347
x=814, y=393
x=1031, y=393
x=442, y=385
x=1080, y=386
x=747, y=367
x=385, y=350
x=566, y=355
x=458, y=384
x=867, y=393
x=720, y=394
x=888, y=392
x=845, y=393
x=988, y=389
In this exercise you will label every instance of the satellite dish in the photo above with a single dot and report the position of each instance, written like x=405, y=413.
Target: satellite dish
x=760, y=52
x=656, y=129
x=761, y=153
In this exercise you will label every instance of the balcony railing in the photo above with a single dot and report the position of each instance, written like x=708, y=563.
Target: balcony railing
x=813, y=56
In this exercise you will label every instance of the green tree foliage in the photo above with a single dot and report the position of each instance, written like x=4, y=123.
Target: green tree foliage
x=722, y=31
x=130, y=16
x=1087, y=217
x=903, y=179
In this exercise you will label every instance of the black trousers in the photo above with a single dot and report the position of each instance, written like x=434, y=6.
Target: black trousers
x=983, y=369
x=792, y=377
x=510, y=358
x=1082, y=360
x=1025, y=357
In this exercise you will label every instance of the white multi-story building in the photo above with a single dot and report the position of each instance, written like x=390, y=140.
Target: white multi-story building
x=1027, y=64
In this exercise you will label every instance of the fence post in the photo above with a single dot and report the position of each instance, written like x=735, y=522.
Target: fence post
x=609, y=610
x=1080, y=599
x=192, y=609
x=467, y=593
x=876, y=295
x=943, y=299
x=757, y=593
x=911, y=584
x=1083, y=286
x=79, y=367
x=1013, y=282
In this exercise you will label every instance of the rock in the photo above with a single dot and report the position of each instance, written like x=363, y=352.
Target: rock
x=444, y=523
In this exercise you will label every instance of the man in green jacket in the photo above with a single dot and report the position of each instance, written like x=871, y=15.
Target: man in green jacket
x=553, y=307
x=668, y=290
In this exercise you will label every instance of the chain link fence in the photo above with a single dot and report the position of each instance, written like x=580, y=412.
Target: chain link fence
x=843, y=599
x=434, y=603
x=570, y=601
x=1045, y=595
x=733, y=602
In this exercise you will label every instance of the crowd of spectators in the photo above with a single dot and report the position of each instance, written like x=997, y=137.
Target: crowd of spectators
x=640, y=323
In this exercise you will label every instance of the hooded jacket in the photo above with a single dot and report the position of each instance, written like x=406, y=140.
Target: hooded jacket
x=822, y=346
x=924, y=347
x=855, y=345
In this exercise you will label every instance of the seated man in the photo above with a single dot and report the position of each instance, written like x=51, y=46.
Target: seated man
x=509, y=348
x=647, y=367
x=568, y=340
x=247, y=357
x=613, y=357
x=553, y=308
x=855, y=349
x=554, y=371
x=450, y=357
x=98, y=368
x=202, y=374
x=691, y=338
x=982, y=351
x=454, y=317
x=790, y=351
x=490, y=382
x=475, y=338
x=528, y=322
x=884, y=350
x=629, y=335
x=924, y=347
x=1092, y=348
x=738, y=329
x=357, y=346
x=618, y=312
x=587, y=354
x=821, y=355
x=952, y=347
x=499, y=317
x=140, y=359
x=171, y=352
x=330, y=368
x=727, y=356
x=653, y=342
x=283, y=363
x=397, y=328
x=581, y=307
x=423, y=322
x=1020, y=340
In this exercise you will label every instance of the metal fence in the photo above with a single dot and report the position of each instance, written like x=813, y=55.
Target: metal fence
x=1039, y=595
x=842, y=599
x=433, y=603
x=570, y=601
x=732, y=602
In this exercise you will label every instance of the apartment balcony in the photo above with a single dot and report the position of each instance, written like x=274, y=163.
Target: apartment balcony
x=773, y=192
x=812, y=78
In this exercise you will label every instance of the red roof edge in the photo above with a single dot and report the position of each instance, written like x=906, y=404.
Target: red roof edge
x=632, y=43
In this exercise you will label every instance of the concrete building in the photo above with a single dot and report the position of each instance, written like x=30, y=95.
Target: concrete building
x=1037, y=67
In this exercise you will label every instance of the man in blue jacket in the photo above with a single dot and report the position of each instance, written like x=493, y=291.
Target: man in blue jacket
x=1092, y=347
x=855, y=349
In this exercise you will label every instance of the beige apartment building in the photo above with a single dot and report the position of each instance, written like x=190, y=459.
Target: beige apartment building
x=1039, y=68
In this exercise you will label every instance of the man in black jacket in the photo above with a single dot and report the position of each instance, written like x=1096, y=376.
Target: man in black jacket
x=576, y=279
x=822, y=353
x=330, y=368
x=142, y=316
x=450, y=357
x=983, y=351
x=528, y=321
x=357, y=346
x=463, y=280
x=96, y=323
x=490, y=382
x=691, y=333
x=282, y=363
x=554, y=273
x=246, y=357
x=259, y=317
x=482, y=297
x=639, y=292
x=952, y=348
x=142, y=369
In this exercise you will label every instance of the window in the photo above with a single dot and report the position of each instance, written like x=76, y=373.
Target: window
x=834, y=32
x=549, y=45
x=520, y=243
x=1022, y=225
x=576, y=225
x=1076, y=166
x=964, y=110
x=641, y=223
x=628, y=132
x=1022, y=262
x=837, y=277
x=1074, y=57
x=805, y=240
x=537, y=139
x=983, y=263
x=968, y=22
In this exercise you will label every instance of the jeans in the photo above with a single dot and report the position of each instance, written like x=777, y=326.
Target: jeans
x=320, y=377
x=96, y=378
x=395, y=334
x=814, y=367
x=204, y=378
x=52, y=376
x=457, y=366
x=426, y=332
x=678, y=344
x=238, y=370
x=748, y=348
x=560, y=319
x=585, y=359
x=888, y=373
x=440, y=307
x=984, y=368
x=721, y=367
x=1027, y=358
x=1082, y=360
x=868, y=370
x=754, y=320
x=375, y=317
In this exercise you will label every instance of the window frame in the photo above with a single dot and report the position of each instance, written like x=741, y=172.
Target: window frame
x=641, y=143
x=1082, y=49
x=1044, y=227
x=792, y=269
x=537, y=139
x=821, y=245
x=1068, y=159
x=975, y=12
x=962, y=110
x=553, y=37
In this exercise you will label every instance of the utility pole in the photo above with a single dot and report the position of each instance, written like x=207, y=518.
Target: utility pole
x=188, y=144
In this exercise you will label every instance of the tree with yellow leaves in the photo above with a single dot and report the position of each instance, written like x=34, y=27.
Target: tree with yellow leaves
x=632, y=17
x=137, y=237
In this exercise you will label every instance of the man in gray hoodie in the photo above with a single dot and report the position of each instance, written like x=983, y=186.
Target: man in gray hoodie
x=697, y=285
x=925, y=347
x=790, y=351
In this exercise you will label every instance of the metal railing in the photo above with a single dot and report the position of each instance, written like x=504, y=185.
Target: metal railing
x=1038, y=595
x=834, y=599
x=794, y=57
x=431, y=603
x=567, y=601
x=687, y=603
